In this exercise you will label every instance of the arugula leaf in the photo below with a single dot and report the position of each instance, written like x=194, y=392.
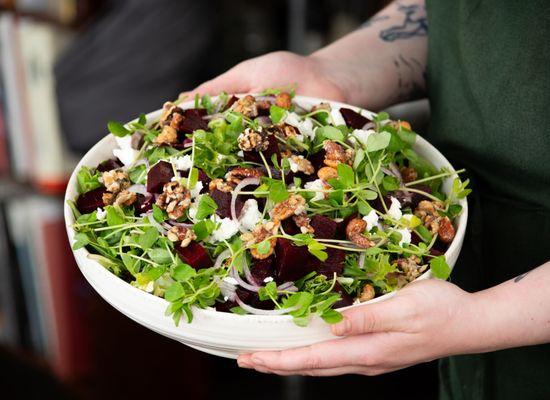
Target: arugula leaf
x=81, y=240
x=390, y=183
x=207, y=206
x=87, y=181
x=329, y=132
x=117, y=129
x=277, y=191
x=440, y=268
x=182, y=272
x=378, y=141
x=237, y=310
x=346, y=175
x=138, y=174
x=159, y=214
x=331, y=316
x=174, y=292
x=148, y=238
x=115, y=215
x=160, y=255
x=276, y=113
x=204, y=228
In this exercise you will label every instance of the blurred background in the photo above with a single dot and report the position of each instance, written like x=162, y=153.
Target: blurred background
x=67, y=67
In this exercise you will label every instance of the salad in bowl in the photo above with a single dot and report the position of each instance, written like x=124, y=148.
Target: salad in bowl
x=265, y=205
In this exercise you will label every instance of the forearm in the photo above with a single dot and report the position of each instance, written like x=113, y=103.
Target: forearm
x=384, y=62
x=513, y=314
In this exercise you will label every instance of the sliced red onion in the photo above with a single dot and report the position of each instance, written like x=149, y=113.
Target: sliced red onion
x=286, y=285
x=236, y=191
x=396, y=171
x=361, y=261
x=241, y=282
x=221, y=258
x=368, y=125
x=264, y=120
x=176, y=223
x=248, y=275
x=259, y=311
x=213, y=116
x=154, y=223
x=227, y=289
x=136, y=188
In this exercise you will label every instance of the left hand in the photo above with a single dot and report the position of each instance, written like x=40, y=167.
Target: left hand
x=424, y=321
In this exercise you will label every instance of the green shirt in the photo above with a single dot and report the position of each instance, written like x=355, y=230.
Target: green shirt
x=489, y=89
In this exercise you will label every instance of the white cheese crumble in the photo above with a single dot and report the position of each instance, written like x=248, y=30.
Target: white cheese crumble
x=197, y=189
x=225, y=230
x=100, y=214
x=305, y=126
x=317, y=185
x=405, y=236
x=395, y=209
x=268, y=279
x=240, y=153
x=183, y=163
x=371, y=219
x=250, y=215
x=126, y=156
x=193, y=208
x=336, y=117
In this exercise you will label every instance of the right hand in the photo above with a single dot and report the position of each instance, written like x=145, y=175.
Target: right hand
x=280, y=69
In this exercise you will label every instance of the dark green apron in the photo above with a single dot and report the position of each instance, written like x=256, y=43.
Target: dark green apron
x=489, y=89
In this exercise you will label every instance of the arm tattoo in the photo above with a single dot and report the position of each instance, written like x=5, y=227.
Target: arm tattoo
x=520, y=277
x=415, y=24
x=409, y=88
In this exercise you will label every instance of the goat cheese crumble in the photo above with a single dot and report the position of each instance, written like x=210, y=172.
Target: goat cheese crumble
x=395, y=209
x=250, y=214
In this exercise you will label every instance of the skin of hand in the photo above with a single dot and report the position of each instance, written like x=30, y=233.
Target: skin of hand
x=424, y=321
x=362, y=68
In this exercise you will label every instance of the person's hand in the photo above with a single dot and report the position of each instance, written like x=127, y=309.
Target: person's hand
x=311, y=75
x=424, y=321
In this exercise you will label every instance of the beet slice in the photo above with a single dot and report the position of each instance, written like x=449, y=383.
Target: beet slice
x=324, y=227
x=272, y=148
x=205, y=180
x=143, y=203
x=109, y=165
x=353, y=119
x=195, y=255
x=192, y=121
x=346, y=299
x=262, y=269
x=333, y=264
x=223, y=200
x=230, y=102
x=317, y=160
x=290, y=227
x=90, y=201
x=291, y=261
x=159, y=174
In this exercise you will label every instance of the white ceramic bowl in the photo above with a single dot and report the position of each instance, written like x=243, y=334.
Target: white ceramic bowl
x=218, y=333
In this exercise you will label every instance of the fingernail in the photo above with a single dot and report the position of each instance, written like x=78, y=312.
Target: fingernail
x=257, y=361
x=244, y=364
x=342, y=328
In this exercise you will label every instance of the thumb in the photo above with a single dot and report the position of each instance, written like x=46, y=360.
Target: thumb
x=384, y=316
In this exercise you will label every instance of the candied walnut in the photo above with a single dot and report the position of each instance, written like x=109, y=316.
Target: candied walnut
x=236, y=175
x=301, y=164
x=410, y=267
x=409, y=174
x=220, y=185
x=251, y=140
x=283, y=100
x=246, y=106
x=125, y=198
x=354, y=232
x=174, y=199
x=294, y=205
x=427, y=211
x=286, y=153
x=168, y=135
x=169, y=110
x=302, y=221
x=446, y=230
x=181, y=234
x=288, y=130
x=176, y=121
x=367, y=293
x=335, y=154
x=108, y=198
x=263, y=105
x=258, y=235
x=326, y=173
x=115, y=180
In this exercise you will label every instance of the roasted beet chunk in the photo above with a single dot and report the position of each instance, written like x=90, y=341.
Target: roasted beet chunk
x=192, y=120
x=346, y=300
x=158, y=175
x=143, y=203
x=262, y=269
x=291, y=261
x=324, y=227
x=90, y=201
x=289, y=226
x=108, y=165
x=230, y=102
x=252, y=299
x=205, y=180
x=272, y=148
x=195, y=255
x=353, y=119
x=333, y=264
x=223, y=200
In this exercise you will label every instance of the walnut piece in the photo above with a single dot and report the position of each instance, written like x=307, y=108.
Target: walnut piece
x=258, y=235
x=115, y=180
x=288, y=131
x=236, y=175
x=251, y=140
x=367, y=293
x=168, y=135
x=125, y=198
x=181, y=234
x=302, y=221
x=283, y=100
x=409, y=174
x=410, y=267
x=220, y=185
x=427, y=211
x=293, y=205
x=174, y=199
x=335, y=154
x=326, y=173
x=354, y=232
x=301, y=164
x=246, y=106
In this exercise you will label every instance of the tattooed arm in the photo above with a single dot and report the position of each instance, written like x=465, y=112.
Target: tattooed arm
x=384, y=62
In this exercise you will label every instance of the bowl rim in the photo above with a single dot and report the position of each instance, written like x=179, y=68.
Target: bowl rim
x=82, y=253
